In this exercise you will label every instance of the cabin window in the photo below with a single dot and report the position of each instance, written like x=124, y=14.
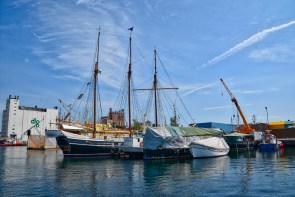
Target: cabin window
x=138, y=139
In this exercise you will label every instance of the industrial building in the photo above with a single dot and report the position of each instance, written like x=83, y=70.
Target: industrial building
x=17, y=119
x=222, y=126
x=115, y=118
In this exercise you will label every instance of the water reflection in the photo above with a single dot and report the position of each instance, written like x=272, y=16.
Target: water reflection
x=39, y=173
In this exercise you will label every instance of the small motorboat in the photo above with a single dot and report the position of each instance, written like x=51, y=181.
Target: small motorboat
x=209, y=147
x=12, y=143
x=270, y=143
x=132, y=147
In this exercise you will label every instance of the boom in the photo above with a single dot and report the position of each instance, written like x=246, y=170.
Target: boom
x=68, y=108
x=247, y=128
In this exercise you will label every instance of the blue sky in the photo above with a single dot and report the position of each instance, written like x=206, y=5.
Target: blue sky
x=47, y=50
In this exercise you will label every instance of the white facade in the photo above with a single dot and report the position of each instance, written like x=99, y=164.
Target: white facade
x=17, y=119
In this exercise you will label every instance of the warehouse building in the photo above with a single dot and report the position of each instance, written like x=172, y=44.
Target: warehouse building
x=17, y=119
x=215, y=125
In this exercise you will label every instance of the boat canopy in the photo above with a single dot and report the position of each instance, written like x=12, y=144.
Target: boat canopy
x=71, y=128
x=174, y=137
x=237, y=134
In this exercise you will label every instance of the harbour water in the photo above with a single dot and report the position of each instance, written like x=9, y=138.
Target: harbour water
x=45, y=173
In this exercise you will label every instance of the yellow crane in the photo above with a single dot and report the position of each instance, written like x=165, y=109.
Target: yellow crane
x=247, y=128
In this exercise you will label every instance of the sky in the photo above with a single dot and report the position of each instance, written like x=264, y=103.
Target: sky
x=47, y=52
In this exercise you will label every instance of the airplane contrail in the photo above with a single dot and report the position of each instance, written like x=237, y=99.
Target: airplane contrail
x=246, y=43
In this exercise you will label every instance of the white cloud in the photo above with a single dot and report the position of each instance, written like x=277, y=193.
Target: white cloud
x=277, y=54
x=66, y=77
x=201, y=88
x=221, y=107
x=256, y=91
x=247, y=42
x=191, y=89
x=67, y=34
x=85, y=1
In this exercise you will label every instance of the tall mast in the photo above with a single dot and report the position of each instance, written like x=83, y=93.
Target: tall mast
x=96, y=71
x=155, y=89
x=129, y=82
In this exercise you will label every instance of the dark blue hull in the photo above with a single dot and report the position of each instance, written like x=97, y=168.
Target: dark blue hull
x=132, y=155
x=167, y=153
x=87, y=148
x=243, y=145
x=268, y=147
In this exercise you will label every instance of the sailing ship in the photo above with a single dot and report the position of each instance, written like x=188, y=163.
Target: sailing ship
x=75, y=145
x=132, y=146
x=174, y=142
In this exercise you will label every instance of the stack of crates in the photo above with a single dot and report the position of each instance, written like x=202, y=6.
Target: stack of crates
x=281, y=124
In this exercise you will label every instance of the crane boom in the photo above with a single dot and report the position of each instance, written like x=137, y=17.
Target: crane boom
x=247, y=128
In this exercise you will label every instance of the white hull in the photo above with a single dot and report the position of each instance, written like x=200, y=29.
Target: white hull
x=210, y=147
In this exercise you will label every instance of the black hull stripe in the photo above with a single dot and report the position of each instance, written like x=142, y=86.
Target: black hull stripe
x=106, y=146
x=89, y=155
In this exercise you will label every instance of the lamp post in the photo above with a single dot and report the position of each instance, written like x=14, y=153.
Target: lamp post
x=266, y=115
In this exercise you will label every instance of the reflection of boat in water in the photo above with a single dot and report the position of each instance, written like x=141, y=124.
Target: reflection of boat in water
x=209, y=147
x=212, y=166
x=184, y=170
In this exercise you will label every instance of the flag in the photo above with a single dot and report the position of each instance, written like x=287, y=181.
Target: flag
x=80, y=96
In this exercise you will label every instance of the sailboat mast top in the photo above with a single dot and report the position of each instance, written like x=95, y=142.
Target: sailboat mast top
x=96, y=71
x=129, y=80
x=155, y=88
